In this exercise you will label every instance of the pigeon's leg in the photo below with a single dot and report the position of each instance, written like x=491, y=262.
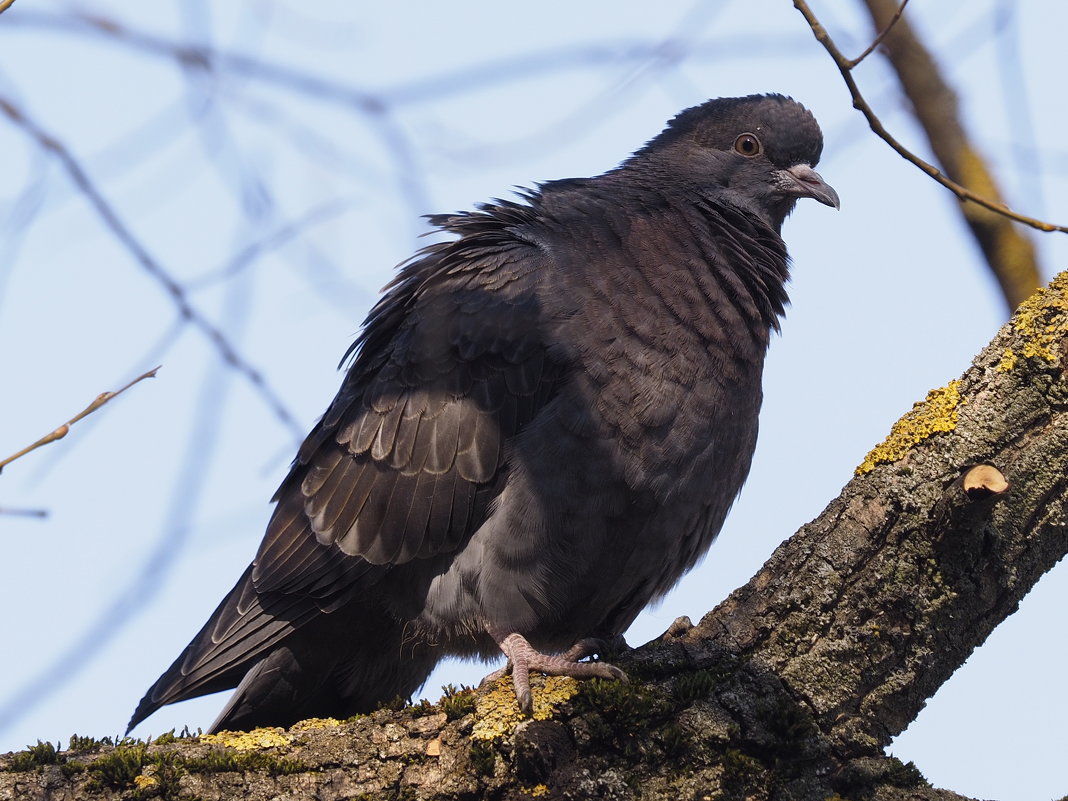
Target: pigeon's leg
x=523, y=658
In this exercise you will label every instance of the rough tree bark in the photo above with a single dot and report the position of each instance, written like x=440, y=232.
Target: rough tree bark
x=789, y=689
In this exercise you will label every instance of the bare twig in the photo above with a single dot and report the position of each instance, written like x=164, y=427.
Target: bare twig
x=141, y=586
x=1009, y=253
x=5, y=5
x=882, y=35
x=877, y=127
x=140, y=253
x=61, y=432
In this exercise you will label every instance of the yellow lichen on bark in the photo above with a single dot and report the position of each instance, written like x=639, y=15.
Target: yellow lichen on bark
x=497, y=711
x=936, y=413
x=1042, y=320
x=1008, y=361
x=248, y=740
x=315, y=723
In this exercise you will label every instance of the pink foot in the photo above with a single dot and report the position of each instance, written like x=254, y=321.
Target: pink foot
x=522, y=658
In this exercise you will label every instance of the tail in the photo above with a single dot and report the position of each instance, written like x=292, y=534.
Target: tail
x=290, y=661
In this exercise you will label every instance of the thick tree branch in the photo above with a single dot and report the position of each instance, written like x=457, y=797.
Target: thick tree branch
x=789, y=689
x=869, y=609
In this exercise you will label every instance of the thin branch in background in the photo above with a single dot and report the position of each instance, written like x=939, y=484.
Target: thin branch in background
x=10, y=512
x=659, y=58
x=115, y=224
x=5, y=5
x=878, y=40
x=272, y=240
x=302, y=83
x=129, y=152
x=407, y=172
x=62, y=431
x=505, y=70
x=587, y=114
x=325, y=278
x=476, y=77
x=378, y=108
x=237, y=171
x=156, y=353
x=15, y=227
x=308, y=141
x=517, y=67
x=1025, y=153
x=963, y=193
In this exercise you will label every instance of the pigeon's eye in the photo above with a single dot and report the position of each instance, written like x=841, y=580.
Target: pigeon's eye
x=747, y=144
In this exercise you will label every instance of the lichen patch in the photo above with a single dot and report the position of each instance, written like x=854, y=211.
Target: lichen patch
x=1042, y=321
x=497, y=711
x=1008, y=361
x=936, y=413
x=315, y=723
x=248, y=740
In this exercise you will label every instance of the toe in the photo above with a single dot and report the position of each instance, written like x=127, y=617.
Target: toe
x=523, y=658
x=500, y=673
x=521, y=682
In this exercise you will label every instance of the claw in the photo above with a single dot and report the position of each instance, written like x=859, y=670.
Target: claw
x=523, y=658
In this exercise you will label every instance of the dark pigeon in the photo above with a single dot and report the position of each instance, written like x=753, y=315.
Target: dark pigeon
x=542, y=427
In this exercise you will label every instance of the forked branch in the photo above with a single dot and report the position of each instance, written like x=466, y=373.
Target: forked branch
x=845, y=66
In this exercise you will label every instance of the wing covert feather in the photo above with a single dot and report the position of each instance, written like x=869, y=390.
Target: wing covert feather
x=454, y=360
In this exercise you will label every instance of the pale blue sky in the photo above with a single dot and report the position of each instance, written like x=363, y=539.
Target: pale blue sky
x=889, y=297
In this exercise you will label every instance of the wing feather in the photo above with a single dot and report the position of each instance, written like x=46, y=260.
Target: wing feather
x=444, y=437
x=389, y=423
x=400, y=458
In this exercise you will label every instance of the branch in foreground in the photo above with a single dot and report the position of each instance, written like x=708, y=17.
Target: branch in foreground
x=867, y=610
x=1008, y=252
x=789, y=689
x=845, y=66
x=62, y=430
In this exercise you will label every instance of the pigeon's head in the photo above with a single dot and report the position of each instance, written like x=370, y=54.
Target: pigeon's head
x=756, y=152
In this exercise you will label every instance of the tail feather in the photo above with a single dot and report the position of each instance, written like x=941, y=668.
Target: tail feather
x=333, y=667
x=289, y=660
